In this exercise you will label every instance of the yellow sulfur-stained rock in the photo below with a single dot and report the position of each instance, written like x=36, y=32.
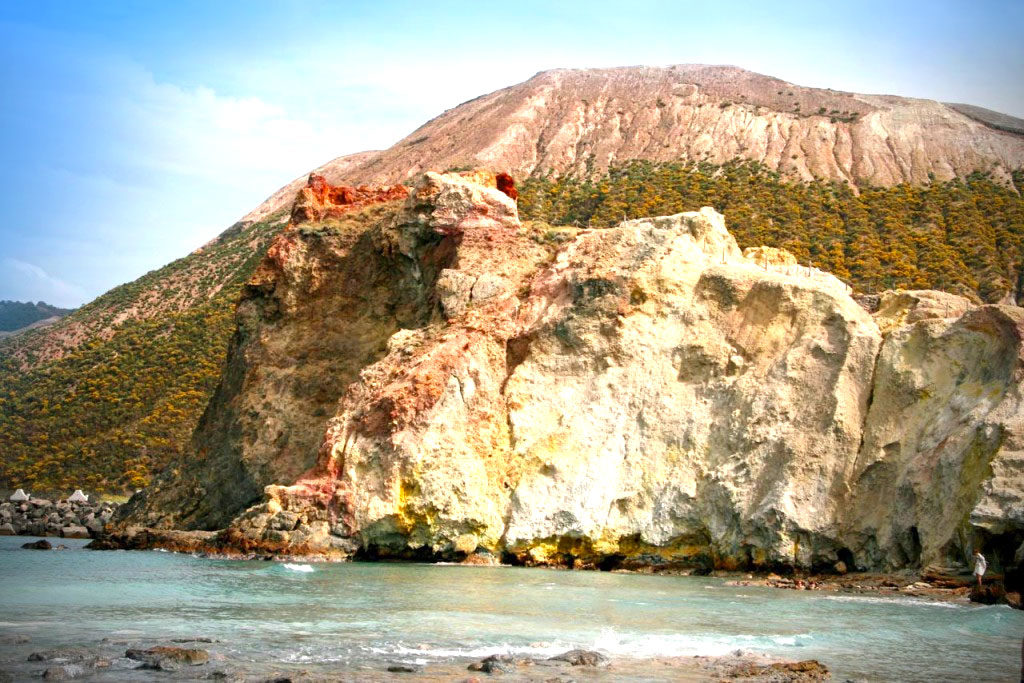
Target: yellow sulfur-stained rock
x=435, y=383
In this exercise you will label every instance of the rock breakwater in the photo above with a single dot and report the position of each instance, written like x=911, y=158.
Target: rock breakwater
x=42, y=517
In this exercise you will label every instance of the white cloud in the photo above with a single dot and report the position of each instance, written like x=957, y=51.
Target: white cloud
x=54, y=290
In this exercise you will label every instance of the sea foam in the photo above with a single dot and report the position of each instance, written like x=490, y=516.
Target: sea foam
x=916, y=602
x=616, y=643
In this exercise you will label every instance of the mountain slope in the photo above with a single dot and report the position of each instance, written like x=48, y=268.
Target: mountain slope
x=581, y=122
x=108, y=395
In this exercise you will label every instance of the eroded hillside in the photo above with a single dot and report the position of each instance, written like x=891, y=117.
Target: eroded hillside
x=583, y=122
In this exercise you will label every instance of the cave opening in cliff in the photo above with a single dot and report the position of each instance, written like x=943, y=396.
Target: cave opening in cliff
x=610, y=562
x=1001, y=552
x=845, y=556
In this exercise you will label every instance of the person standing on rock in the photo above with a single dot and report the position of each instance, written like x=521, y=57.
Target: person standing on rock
x=980, y=565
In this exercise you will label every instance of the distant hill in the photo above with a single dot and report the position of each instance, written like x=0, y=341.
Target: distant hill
x=582, y=122
x=15, y=315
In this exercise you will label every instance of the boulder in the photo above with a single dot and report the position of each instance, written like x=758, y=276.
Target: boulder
x=988, y=594
x=499, y=663
x=582, y=658
x=163, y=658
x=37, y=545
x=19, y=496
x=75, y=532
x=60, y=654
x=7, y=529
x=64, y=672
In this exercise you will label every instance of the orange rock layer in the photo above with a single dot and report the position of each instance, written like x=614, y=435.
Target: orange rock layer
x=320, y=200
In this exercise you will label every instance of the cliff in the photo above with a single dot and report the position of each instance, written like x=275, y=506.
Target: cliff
x=108, y=396
x=429, y=378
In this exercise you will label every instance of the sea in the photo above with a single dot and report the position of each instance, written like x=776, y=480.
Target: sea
x=279, y=619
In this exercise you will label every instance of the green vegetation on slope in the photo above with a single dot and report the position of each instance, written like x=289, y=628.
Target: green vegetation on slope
x=960, y=236
x=115, y=408
x=15, y=315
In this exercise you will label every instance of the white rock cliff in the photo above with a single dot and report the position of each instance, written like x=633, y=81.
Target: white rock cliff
x=643, y=395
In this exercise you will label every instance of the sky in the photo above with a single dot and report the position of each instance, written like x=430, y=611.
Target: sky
x=133, y=132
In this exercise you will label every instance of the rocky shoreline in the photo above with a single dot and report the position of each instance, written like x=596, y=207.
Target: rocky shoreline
x=199, y=658
x=63, y=518
x=932, y=583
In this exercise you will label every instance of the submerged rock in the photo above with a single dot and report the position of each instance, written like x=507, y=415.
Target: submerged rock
x=163, y=658
x=64, y=672
x=37, y=545
x=60, y=654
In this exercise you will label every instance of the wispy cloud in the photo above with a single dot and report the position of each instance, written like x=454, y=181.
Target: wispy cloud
x=56, y=291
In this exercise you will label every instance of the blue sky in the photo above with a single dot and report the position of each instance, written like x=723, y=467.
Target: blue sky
x=133, y=132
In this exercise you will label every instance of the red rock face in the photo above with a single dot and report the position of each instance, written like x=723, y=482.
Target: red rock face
x=320, y=200
x=507, y=185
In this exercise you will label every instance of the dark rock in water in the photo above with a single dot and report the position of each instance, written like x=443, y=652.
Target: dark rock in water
x=494, y=664
x=60, y=654
x=402, y=668
x=163, y=658
x=14, y=640
x=196, y=639
x=37, y=545
x=65, y=672
x=581, y=658
x=990, y=594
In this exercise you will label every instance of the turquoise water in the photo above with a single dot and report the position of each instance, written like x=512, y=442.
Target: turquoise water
x=325, y=617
